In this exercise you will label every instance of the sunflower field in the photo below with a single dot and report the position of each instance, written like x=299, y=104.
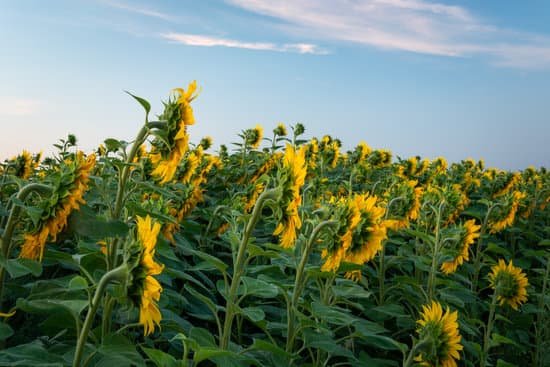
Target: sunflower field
x=275, y=251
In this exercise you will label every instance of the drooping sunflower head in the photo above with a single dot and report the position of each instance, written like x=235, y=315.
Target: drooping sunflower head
x=169, y=148
x=504, y=182
x=509, y=283
x=280, y=130
x=253, y=137
x=145, y=290
x=291, y=177
x=347, y=213
x=70, y=184
x=369, y=233
x=380, y=158
x=403, y=203
x=504, y=215
x=24, y=164
x=439, y=337
x=467, y=234
x=362, y=150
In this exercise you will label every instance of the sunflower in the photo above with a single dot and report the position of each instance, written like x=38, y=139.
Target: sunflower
x=406, y=210
x=293, y=176
x=509, y=283
x=349, y=216
x=439, y=337
x=71, y=197
x=254, y=136
x=146, y=289
x=508, y=219
x=369, y=233
x=168, y=152
x=470, y=232
x=280, y=130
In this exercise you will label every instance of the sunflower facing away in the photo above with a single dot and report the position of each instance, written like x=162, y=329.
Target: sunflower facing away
x=293, y=178
x=369, y=233
x=509, y=283
x=167, y=153
x=470, y=232
x=146, y=289
x=55, y=219
x=439, y=331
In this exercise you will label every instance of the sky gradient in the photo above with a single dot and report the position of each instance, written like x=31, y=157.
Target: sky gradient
x=457, y=79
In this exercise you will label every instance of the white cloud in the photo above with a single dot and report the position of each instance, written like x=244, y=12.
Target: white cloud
x=418, y=26
x=17, y=107
x=211, y=41
x=139, y=10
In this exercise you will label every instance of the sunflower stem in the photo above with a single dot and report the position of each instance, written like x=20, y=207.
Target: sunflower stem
x=117, y=274
x=488, y=331
x=435, y=254
x=239, y=264
x=122, y=181
x=300, y=280
x=6, y=240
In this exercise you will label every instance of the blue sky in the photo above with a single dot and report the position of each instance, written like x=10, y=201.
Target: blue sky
x=453, y=78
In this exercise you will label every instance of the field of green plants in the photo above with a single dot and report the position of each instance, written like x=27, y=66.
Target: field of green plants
x=274, y=251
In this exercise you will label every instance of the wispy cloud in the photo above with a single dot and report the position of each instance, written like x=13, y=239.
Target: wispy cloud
x=418, y=26
x=17, y=107
x=148, y=12
x=211, y=41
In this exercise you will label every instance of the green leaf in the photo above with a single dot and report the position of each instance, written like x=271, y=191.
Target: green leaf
x=333, y=315
x=258, y=288
x=497, y=339
x=159, y=358
x=146, y=105
x=78, y=283
x=209, y=353
x=501, y=363
x=5, y=331
x=117, y=350
x=20, y=267
x=86, y=223
x=255, y=314
x=266, y=346
x=212, y=260
x=112, y=145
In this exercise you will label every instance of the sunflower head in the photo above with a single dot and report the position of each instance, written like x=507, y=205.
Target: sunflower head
x=253, y=137
x=347, y=213
x=509, y=283
x=145, y=290
x=439, y=337
x=369, y=233
x=466, y=234
x=291, y=178
x=280, y=130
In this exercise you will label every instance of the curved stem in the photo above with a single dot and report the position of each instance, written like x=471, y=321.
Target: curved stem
x=117, y=274
x=299, y=281
x=435, y=254
x=488, y=331
x=5, y=241
x=123, y=179
x=238, y=266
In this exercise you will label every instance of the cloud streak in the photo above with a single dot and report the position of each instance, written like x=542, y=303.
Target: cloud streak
x=148, y=12
x=417, y=26
x=212, y=41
